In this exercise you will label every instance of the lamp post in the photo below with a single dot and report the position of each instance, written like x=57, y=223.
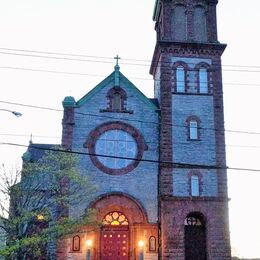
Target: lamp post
x=89, y=245
x=141, y=249
x=17, y=114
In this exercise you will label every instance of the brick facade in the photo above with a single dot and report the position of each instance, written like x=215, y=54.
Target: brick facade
x=150, y=191
x=131, y=190
x=175, y=200
x=175, y=210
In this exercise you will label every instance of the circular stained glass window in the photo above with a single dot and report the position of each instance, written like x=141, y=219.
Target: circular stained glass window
x=115, y=147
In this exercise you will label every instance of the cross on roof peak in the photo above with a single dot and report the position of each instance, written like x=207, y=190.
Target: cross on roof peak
x=117, y=58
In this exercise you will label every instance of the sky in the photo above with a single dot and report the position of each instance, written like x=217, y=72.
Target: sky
x=91, y=33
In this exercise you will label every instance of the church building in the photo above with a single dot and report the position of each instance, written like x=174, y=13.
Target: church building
x=158, y=164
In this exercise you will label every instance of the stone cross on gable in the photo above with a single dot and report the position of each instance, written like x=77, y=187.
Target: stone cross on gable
x=117, y=58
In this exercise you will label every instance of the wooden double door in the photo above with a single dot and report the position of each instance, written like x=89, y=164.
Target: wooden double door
x=115, y=243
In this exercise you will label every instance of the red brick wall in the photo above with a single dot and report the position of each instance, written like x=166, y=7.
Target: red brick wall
x=174, y=213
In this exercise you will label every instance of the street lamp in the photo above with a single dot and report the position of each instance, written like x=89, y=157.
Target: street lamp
x=17, y=114
x=89, y=245
x=141, y=249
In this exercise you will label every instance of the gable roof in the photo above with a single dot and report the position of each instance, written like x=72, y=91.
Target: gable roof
x=108, y=80
x=36, y=151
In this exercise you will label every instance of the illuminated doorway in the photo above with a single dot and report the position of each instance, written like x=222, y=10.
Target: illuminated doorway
x=115, y=237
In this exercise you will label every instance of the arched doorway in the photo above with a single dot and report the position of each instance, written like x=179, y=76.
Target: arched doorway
x=115, y=237
x=195, y=237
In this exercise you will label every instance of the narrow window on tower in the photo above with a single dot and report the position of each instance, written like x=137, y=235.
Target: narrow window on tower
x=193, y=130
x=200, y=24
x=195, y=190
x=203, y=81
x=180, y=79
x=179, y=23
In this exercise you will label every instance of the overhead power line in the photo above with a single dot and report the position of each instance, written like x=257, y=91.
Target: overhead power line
x=161, y=64
x=59, y=53
x=128, y=119
x=173, y=164
x=103, y=76
x=57, y=58
x=51, y=71
x=118, y=140
x=107, y=58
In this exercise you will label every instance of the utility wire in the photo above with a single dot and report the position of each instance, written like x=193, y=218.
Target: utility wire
x=130, y=120
x=118, y=140
x=57, y=58
x=109, y=58
x=103, y=76
x=60, y=53
x=50, y=71
x=161, y=64
x=174, y=165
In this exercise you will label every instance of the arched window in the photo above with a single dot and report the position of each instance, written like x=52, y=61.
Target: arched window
x=193, y=130
x=152, y=244
x=200, y=24
x=116, y=102
x=179, y=23
x=203, y=81
x=203, y=77
x=117, y=98
x=76, y=243
x=180, y=79
x=115, y=218
x=195, y=185
x=195, y=237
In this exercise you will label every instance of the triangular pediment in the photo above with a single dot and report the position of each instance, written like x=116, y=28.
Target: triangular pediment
x=124, y=83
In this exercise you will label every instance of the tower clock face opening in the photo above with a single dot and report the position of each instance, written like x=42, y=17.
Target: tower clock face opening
x=115, y=147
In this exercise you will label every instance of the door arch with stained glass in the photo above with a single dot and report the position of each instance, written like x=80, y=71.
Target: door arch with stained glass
x=115, y=237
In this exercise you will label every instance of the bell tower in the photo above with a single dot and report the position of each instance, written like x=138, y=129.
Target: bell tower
x=186, y=67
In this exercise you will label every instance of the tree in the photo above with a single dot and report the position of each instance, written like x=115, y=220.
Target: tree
x=40, y=195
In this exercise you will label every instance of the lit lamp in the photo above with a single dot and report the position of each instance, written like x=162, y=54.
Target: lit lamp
x=40, y=217
x=89, y=245
x=141, y=249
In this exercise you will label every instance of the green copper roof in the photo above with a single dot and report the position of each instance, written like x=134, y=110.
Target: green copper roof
x=117, y=77
x=27, y=156
x=69, y=101
x=117, y=68
x=112, y=78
